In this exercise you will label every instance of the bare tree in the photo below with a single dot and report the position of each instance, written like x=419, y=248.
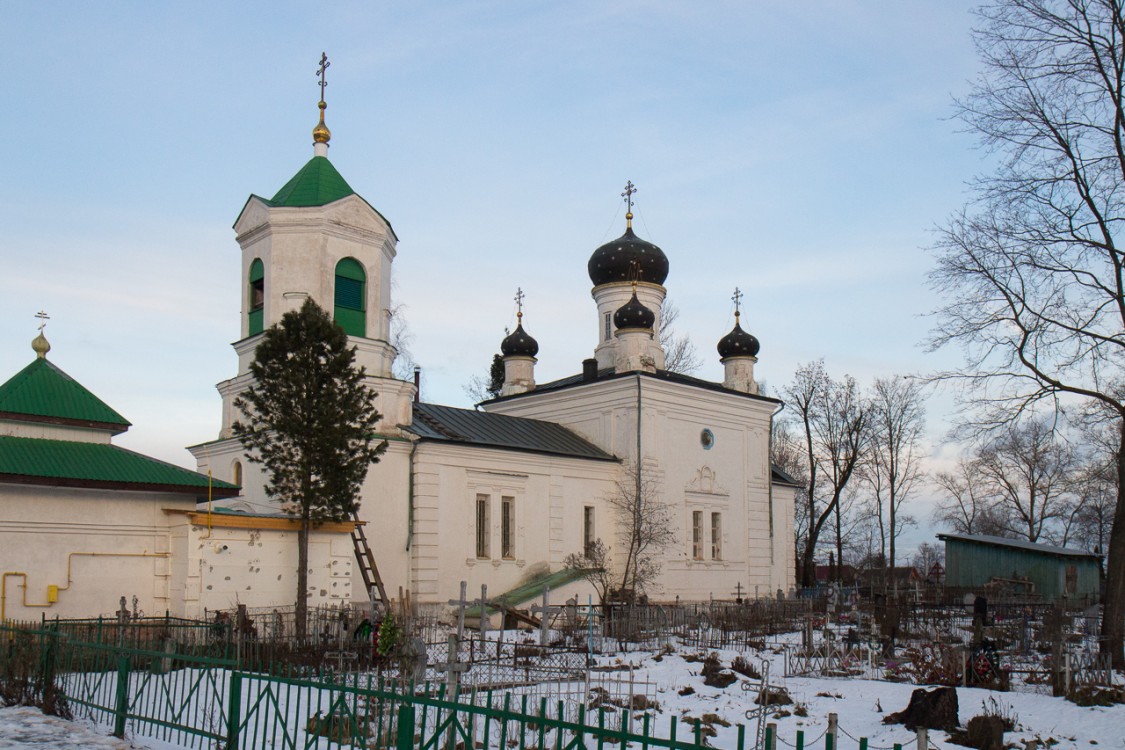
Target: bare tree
x=833, y=419
x=480, y=388
x=402, y=367
x=894, y=468
x=644, y=530
x=787, y=453
x=1033, y=278
x=679, y=351
x=596, y=566
x=926, y=556
x=1026, y=471
x=965, y=506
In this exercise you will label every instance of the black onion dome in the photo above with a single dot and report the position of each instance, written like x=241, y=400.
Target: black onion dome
x=633, y=314
x=738, y=343
x=519, y=344
x=614, y=261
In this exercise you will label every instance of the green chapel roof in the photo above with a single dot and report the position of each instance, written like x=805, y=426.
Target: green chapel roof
x=66, y=463
x=316, y=184
x=43, y=392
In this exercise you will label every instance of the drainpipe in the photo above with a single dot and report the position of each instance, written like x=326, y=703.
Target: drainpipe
x=410, y=515
x=769, y=479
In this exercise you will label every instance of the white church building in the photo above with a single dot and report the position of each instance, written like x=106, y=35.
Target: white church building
x=504, y=493
x=495, y=496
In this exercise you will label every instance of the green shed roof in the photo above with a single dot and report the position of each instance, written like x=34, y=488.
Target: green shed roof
x=532, y=589
x=66, y=463
x=316, y=184
x=41, y=390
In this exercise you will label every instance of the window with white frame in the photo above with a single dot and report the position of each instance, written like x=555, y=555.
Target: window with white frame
x=588, y=536
x=697, y=535
x=608, y=327
x=507, y=527
x=484, y=530
x=716, y=536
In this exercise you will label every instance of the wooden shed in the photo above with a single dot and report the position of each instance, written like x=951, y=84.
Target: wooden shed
x=976, y=560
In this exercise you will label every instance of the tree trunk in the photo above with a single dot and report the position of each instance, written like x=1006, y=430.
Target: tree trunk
x=1113, y=605
x=839, y=546
x=891, y=567
x=808, y=563
x=301, y=607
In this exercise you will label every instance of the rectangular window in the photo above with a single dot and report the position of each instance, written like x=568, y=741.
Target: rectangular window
x=608, y=326
x=697, y=535
x=508, y=527
x=483, y=531
x=588, y=530
x=716, y=536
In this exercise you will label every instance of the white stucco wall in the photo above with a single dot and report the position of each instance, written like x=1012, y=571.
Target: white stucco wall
x=115, y=543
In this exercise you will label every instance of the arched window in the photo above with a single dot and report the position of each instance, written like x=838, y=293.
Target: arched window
x=257, y=281
x=236, y=473
x=351, y=295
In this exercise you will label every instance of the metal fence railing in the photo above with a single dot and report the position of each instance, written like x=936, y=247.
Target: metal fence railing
x=197, y=701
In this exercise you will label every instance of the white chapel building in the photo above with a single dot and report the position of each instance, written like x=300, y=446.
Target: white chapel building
x=501, y=495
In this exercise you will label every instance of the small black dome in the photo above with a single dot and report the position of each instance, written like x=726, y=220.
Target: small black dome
x=738, y=343
x=614, y=261
x=519, y=344
x=633, y=314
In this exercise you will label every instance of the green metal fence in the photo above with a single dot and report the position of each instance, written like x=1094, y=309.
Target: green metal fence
x=197, y=701
x=206, y=702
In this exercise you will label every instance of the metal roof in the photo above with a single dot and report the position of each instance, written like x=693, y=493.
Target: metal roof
x=1000, y=541
x=315, y=184
x=608, y=373
x=65, y=463
x=450, y=424
x=42, y=390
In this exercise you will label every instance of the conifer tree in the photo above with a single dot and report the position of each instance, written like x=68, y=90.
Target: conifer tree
x=310, y=421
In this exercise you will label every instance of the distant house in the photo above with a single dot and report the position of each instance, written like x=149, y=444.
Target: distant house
x=974, y=561
x=828, y=573
x=903, y=578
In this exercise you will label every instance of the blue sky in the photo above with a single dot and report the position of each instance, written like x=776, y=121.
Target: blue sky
x=801, y=151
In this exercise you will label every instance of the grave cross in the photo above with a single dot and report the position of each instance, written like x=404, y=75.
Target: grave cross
x=546, y=610
x=453, y=667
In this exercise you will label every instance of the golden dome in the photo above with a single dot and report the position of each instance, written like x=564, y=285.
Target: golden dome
x=321, y=133
x=41, y=345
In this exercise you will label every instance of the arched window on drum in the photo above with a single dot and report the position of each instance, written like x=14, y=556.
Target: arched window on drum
x=351, y=297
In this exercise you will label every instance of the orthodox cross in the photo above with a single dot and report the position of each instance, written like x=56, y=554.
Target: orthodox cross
x=519, y=303
x=630, y=190
x=43, y=318
x=737, y=298
x=320, y=72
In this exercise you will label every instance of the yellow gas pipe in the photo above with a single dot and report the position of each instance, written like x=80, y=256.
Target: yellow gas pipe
x=69, y=560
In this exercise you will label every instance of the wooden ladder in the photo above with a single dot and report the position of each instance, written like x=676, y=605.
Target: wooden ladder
x=367, y=568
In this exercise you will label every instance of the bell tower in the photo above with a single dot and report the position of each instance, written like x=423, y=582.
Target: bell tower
x=317, y=238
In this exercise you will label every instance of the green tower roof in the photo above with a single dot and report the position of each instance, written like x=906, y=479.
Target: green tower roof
x=316, y=184
x=44, y=391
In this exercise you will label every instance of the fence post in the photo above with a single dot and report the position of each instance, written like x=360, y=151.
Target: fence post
x=121, y=705
x=404, y=732
x=830, y=735
x=234, y=711
x=923, y=738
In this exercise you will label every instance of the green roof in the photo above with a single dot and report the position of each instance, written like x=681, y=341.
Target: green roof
x=67, y=463
x=43, y=390
x=316, y=184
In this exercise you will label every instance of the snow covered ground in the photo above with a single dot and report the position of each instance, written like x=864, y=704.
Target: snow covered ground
x=674, y=680
x=22, y=727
